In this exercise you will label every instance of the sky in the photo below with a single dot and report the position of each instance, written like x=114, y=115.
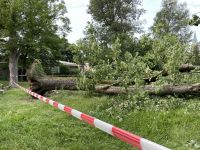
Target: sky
x=77, y=13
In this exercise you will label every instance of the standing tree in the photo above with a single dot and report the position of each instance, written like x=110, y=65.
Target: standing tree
x=30, y=27
x=195, y=54
x=172, y=18
x=117, y=15
x=116, y=19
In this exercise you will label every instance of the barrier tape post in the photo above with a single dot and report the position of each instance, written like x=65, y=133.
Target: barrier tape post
x=134, y=140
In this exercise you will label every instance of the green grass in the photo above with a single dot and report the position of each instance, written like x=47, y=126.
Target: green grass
x=31, y=124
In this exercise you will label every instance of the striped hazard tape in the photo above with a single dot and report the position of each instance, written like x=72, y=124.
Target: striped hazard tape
x=134, y=140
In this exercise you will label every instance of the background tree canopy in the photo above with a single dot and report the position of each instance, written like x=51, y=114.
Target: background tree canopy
x=113, y=51
x=173, y=18
x=32, y=30
x=116, y=19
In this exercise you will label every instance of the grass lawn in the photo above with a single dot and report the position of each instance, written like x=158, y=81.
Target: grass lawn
x=31, y=124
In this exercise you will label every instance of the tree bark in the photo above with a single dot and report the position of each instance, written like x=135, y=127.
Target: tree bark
x=153, y=90
x=44, y=85
x=41, y=84
x=186, y=67
x=13, y=67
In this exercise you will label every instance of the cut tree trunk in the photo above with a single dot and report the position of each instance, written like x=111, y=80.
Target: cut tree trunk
x=44, y=85
x=13, y=67
x=186, y=67
x=153, y=90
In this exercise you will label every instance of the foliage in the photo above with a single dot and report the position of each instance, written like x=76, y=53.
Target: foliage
x=32, y=27
x=195, y=57
x=68, y=52
x=111, y=66
x=118, y=16
x=172, y=18
x=115, y=19
x=36, y=70
x=88, y=49
x=85, y=83
x=195, y=20
x=123, y=105
x=31, y=30
x=167, y=54
x=66, y=70
x=112, y=61
x=4, y=66
x=144, y=44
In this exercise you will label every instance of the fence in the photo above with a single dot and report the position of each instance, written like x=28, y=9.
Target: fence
x=134, y=140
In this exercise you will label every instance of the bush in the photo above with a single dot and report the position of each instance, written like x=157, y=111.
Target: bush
x=36, y=70
x=65, y=70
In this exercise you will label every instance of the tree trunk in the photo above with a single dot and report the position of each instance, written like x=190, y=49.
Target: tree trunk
x=193, y=89
x=186, y=67
x=47, y=84
x=13, y=67
x=41, y=84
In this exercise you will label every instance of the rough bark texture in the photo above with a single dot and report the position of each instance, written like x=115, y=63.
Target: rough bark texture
x=44, y=85
x=186, y=67
x=153, y=90
x=13, y=67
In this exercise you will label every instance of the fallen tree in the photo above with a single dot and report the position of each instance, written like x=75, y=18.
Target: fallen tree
x=187, y=67
x=153, y=90
x=40, y=84
x=46, y=84
x=183, y=68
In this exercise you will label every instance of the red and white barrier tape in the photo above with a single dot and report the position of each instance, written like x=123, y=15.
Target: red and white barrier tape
x=134, y=140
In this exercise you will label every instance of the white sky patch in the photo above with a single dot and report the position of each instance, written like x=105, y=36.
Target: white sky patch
x=194, y=7
x=151, y=8
x=77, y=13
